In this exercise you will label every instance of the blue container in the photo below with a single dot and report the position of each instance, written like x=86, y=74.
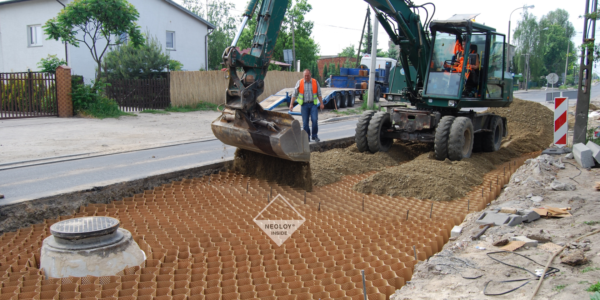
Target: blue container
x=353, y=72
x=344, y=71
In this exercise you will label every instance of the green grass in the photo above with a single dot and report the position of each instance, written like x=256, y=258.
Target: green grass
x=153, y=111
x=105, y=108
x=201, y=106
x=591, y=223
x=559, y=288
x=594, y=287
x=589, y=269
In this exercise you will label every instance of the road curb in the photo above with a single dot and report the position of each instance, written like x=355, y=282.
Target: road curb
x=34, y=211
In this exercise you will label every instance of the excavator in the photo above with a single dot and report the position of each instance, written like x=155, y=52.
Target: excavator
x=444, y=68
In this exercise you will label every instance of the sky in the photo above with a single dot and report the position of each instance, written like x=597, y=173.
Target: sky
x=338, y=23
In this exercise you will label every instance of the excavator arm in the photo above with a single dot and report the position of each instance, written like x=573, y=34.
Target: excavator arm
x=246, y=125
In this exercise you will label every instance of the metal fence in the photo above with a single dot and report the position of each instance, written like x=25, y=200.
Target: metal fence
x=28, y=95
x=140, y=94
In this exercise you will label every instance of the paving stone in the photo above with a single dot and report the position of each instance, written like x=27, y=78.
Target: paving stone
x=456, y=231
x=595, y=150
x=528, y=242
x=528, y=215
x=583, y=156
x=514, y=220
x=491, y=217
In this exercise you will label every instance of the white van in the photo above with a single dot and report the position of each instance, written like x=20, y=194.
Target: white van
x=380, y=62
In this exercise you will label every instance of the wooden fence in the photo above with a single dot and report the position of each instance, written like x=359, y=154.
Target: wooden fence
x=191, y=87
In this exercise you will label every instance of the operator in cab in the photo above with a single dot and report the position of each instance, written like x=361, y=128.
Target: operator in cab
x=308, y=94
x=473, y=66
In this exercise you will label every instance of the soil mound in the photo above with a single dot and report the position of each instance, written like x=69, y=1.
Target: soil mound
x=530, y=128
x=265, y=167
x=329, y=167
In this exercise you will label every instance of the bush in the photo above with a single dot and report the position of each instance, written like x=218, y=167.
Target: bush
x=175, y=65
x=90, y=101
x=49, y=64
x=16, y=93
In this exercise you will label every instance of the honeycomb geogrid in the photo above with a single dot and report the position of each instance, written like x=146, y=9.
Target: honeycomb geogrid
x=201, y=242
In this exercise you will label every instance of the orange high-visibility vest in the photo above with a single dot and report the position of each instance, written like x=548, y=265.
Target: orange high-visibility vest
x=314, y=90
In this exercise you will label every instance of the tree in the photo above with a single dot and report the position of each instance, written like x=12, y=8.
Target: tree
x=325, y=73
x=175, y=65
x=95, y=23
x=527, y=39
x=50, y=63
x=218, y=14
x=392, y=52
x=306, y=48
x=349, y=52
x=129, y=62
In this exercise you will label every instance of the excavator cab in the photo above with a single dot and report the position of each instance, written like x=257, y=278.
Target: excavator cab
x=466, y=66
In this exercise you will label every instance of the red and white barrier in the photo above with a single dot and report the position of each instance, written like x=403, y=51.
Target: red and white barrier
x=560, y=121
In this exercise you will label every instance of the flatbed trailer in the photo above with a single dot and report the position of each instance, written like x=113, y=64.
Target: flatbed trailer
x=332, y=98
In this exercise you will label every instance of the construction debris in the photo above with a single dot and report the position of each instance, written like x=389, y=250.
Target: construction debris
x=583, y=156
x=553, y=212
x=513, y=246
x=573, y=258
x=528, y=242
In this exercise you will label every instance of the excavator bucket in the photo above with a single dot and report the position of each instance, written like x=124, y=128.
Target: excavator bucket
x=271, y=133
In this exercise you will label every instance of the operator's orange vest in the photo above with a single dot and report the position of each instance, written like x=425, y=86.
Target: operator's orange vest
x=314, y=90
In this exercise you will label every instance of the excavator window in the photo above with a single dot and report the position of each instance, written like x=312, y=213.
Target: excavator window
x=444, y=79
x=496, y=67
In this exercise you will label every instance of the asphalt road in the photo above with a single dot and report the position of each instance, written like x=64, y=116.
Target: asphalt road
x=540, y=95
x=45, y=180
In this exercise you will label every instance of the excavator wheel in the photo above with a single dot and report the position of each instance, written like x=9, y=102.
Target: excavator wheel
x=491, y=141
x=460, y=143
x=362, y=127
x=379, y=124
x=442, y=133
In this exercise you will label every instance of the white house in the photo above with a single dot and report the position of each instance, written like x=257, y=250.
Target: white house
x=23, y=43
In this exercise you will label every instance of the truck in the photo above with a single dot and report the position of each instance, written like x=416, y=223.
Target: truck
x=447, y=67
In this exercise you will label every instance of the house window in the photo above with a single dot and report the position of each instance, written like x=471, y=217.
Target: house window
x=171, y=40
x=35, y=35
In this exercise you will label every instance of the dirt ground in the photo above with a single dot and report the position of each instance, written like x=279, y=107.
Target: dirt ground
x=444, y=275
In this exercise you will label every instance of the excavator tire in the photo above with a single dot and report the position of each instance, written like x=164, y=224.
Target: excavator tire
x=362, y=127
x=491, y=141
x=442, y=133
x=460, y=143
x=380, y=122
x=477, y=141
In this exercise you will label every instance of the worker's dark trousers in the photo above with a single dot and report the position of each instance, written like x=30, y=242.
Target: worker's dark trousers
x=310, y=110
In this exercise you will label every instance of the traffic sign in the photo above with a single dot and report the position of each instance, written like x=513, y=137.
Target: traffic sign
x=552, y=78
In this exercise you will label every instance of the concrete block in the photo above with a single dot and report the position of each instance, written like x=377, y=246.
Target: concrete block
x=528, y=242
x=491, y=217
x=456, y=231
x=595, y=150
x=583, y=156
x=528, y=215
x=514, y=220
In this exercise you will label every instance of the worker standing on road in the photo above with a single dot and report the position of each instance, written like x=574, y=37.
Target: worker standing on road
x=308, y=94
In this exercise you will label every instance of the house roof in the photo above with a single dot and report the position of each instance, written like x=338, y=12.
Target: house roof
x=183, y=9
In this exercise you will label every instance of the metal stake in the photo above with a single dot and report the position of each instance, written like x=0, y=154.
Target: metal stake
x=363, y=203
x=364, y=283
x=247, y=186
x=270, y=193
x=490, y=186
x=304, y=197
x=407, y=211
x=431, y=211
x=319, y=206
x=468, y=204
x=415, y=251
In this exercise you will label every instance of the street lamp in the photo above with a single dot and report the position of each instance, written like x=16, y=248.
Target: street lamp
x=508, y=44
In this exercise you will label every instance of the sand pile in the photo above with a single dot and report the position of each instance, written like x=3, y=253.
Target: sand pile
x=329, y=167
x=264, y=167
x=530, y=128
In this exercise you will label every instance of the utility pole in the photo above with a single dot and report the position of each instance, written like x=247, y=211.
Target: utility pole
x=362, y=34
x=585, y=74
x=293, y=43
x=373, y=71
x=369, y=37
x=526, y=70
